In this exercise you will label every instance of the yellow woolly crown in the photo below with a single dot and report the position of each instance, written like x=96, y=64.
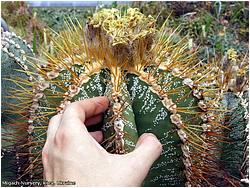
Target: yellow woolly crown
x=120, y=36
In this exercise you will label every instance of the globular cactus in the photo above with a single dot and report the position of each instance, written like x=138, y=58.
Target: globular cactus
x=235, y=151
x=235, y=155
x=154, y=84
x=16, y=77
x=14, y=57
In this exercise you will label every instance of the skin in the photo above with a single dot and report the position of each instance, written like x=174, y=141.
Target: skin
x=71, y=153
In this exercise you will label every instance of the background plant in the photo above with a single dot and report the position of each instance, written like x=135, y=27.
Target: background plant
x=76, y=68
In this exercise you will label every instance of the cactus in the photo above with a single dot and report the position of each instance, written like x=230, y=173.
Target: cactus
x=154, y=83
x=235, y=156
x=15, y=70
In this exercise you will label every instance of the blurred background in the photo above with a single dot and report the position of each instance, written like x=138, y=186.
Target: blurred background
x=215, y=27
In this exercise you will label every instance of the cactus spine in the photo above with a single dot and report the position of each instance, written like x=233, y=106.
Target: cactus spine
x=155, y=84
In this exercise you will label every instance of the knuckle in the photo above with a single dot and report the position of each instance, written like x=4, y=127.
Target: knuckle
x=61, y=138
x=71, y=109
x=101, y=104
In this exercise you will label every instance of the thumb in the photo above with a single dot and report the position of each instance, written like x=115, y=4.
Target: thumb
x=147, y=151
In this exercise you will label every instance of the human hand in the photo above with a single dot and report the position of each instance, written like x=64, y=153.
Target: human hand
x=71, y=153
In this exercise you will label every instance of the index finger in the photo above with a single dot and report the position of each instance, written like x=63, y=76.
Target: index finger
x=81, y=110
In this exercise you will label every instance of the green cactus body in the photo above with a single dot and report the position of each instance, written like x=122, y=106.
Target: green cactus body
x=152, y=116
x=154, y=84
x=14, y=55
x=235, y=152
x=15, y=71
